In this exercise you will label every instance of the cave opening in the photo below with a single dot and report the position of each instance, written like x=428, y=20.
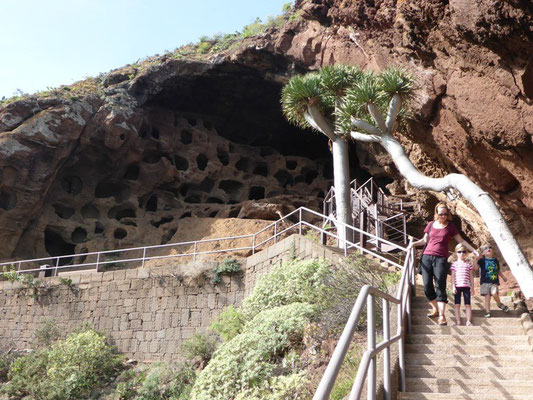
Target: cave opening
x=201, y=161
x=181, y=163
x=79, y=235
x=257, y=193
x=55, y=245
x=120, y=233
x=132, y=173
x=233, y=188
x=72, y=184
x=63, y=212
x=151, y=204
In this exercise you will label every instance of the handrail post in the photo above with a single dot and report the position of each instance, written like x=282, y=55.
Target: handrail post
x=57, y=265
x=144, y=256
x=401, y=350
x=19, y=267
x=300, y=220
x=376, y=223
x=97, y=261
x=194, y=251
x=371, y=333
x=386, y=354
x=253, y=244
x=404, y=229
x=275, y=231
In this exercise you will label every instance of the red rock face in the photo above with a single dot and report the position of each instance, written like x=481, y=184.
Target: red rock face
x=208, y=139
x=472, y=60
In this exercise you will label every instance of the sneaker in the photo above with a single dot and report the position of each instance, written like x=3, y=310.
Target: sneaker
x=503, y=307
x=487, y=315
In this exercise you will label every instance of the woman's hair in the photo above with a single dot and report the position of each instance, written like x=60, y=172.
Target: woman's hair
x=460, y=246
x=442, y=205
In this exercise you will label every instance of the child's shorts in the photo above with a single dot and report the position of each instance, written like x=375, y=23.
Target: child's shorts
x=488, y=288
x=466, y=295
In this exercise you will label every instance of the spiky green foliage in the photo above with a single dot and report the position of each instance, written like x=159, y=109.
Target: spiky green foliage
x=344, y=92
x=298, y=94
x=338, y=78
x=366, y=90
x=396, y=81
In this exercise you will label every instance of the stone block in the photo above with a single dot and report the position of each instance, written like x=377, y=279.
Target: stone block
x=143, y=273
x=108, y=276
x=191, y=301
x=187, y=333
x=131, y=274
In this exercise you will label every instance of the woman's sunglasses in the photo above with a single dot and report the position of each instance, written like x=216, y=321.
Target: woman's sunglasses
x=461, y=251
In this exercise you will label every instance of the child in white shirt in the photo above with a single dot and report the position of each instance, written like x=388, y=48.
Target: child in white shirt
x=462, y=282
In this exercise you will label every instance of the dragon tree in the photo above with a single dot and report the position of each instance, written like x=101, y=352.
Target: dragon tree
x=371, y=108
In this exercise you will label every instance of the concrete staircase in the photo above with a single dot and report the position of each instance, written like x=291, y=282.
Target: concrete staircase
x=490, y=360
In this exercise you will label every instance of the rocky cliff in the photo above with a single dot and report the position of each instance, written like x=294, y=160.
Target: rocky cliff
x=119, y=159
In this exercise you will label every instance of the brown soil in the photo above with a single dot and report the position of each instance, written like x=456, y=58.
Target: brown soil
x=196, y=229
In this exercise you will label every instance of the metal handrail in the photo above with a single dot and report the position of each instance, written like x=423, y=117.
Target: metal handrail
x=367, y=366
x=254, y=246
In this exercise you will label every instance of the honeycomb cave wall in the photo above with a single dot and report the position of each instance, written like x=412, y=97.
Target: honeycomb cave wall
x=184, y=139
x=177, y=166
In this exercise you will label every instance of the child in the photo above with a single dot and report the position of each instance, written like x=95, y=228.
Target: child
x=462, y=282
x=489, y=268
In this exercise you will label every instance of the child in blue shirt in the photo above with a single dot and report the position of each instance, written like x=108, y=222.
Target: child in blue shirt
x=489, y=269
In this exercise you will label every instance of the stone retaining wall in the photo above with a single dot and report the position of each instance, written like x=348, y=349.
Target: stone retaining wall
x=148, y=312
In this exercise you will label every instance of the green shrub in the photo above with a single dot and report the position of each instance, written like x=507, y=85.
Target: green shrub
x=47, y=332
x=160, y=381
x=298, y=281
x=294, y=386
x=227, y=266
x=6, y=359
x=253, y=29
x=203, y=47
x=70, y=369
x=201, y=345
x=250, y=358
x=229, y=324
x=345, y=379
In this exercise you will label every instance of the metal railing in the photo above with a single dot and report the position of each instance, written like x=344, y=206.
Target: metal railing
x=294, y=222
x=367, y=366
x=387, y=219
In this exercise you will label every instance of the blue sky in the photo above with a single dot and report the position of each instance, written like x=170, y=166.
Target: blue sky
x=47, y=43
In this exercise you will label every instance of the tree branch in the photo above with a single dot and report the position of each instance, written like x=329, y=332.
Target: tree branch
x=377, y=117
x=315, y=118
x=364, y=137
x=365, y=126
x=394, y=108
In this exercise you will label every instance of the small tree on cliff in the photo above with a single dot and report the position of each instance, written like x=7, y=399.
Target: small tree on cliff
x=313, y=101
x=369, y=111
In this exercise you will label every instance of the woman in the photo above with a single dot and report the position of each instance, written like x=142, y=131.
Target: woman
x=437, y=236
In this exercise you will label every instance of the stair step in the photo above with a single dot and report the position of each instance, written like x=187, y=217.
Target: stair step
x=417, y=305
x=513, y=329
x=471, y=386
x=483, y=360
x=477, y=320
x=460, y=340
x=475, y=313
x=459, y=396
x=469, y=372
x=449, y=348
